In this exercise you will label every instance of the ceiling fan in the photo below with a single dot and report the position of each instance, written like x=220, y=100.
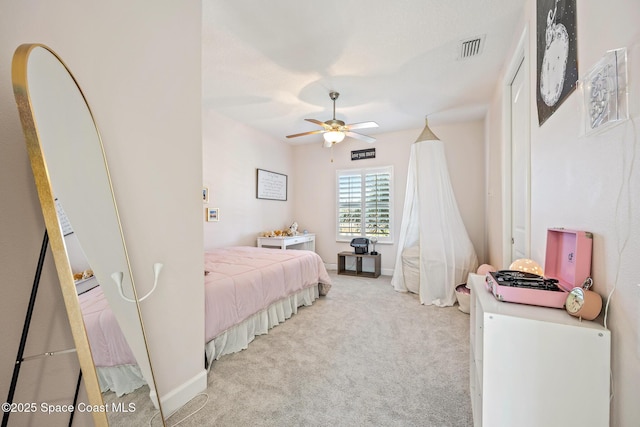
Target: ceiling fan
x=335, y=130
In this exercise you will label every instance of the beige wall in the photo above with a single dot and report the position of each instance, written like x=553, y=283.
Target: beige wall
x=314, y=187
x=588, y=183
x=232, y=152
x=141, y=74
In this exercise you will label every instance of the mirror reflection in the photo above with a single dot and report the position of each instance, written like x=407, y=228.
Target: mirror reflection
x=81, y=215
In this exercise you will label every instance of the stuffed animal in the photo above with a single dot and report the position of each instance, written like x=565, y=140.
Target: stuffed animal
x=293, y=229
x=83, y=275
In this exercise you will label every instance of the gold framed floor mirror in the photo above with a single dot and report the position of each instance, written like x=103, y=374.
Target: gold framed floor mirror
x=69, y=166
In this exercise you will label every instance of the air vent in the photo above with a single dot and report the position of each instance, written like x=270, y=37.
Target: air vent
x=471, y=47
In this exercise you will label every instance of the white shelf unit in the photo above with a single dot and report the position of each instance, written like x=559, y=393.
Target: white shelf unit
x=535, y=366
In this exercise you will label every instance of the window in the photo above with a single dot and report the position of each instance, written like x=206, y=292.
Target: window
x=364, y=203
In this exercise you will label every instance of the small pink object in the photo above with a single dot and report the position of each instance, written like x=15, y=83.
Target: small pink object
x=485, y=268
x=567, y=259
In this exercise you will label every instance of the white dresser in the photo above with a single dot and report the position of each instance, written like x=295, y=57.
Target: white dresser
x=535, y=366
x=302, y=241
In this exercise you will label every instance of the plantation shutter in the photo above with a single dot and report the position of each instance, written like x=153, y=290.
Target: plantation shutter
x=364, y=204
x=377, y=205
x=350, y=205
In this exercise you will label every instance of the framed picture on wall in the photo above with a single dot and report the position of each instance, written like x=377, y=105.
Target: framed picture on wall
x=604, y=89
x=213, y=214
x=205, y=194
x=271, y=185
x=557, y=55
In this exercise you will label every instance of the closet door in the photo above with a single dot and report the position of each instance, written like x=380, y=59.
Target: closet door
x=520, y=166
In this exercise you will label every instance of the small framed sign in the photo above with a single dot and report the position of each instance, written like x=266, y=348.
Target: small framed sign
x=213, y=214
x=369, y=153
x=271, y=185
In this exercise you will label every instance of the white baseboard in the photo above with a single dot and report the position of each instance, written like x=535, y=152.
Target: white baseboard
x=182, y=394
x=387, y=271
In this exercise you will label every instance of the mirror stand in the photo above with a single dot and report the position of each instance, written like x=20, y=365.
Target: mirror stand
x=23, y=340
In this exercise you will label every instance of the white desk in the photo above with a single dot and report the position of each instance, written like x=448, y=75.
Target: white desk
x=301, y=241
x=85, y=285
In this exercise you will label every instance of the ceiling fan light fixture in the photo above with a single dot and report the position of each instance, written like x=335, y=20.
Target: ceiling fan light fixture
x=334, y=130
x=333, y=137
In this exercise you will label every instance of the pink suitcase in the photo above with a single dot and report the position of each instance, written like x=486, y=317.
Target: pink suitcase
x=567, y=265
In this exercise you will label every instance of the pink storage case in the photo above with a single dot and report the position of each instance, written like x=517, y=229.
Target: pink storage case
x=567, y=259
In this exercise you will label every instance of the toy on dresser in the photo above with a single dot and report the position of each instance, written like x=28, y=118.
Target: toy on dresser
x=565, y=282
x=83, y=275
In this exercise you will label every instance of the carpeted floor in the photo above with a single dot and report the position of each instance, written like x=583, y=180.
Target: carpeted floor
x=364, y=355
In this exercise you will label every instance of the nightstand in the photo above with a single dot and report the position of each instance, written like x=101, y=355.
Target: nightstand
x=342, y=257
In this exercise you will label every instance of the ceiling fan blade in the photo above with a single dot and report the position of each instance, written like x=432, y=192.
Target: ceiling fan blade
x=318, y=122
x=306, y=133
x=360, y=136
x=362, y=125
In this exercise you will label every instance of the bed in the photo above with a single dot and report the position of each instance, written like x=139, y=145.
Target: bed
x=248, y=291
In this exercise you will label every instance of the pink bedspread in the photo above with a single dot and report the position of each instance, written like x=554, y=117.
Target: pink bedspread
x=242, y=281
x=108, y=345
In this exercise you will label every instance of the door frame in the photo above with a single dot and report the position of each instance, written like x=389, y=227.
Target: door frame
x=520, y=59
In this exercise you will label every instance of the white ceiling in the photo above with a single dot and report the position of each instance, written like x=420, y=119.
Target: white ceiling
x=271, y=64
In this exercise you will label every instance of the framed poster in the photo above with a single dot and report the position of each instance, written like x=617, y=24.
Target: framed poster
x=557, y=62
x=271, y=185
x=213, y=214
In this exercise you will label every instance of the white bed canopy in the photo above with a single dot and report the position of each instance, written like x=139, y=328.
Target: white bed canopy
x=435, y=253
